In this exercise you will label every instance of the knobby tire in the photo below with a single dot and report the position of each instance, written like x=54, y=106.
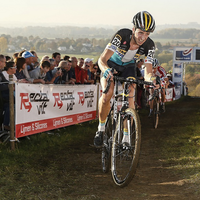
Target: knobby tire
x=155, y=113
x=105, y=154
x=124, y=159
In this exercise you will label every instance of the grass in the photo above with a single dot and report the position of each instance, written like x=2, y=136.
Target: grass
x=181, y=146
x=35, y=169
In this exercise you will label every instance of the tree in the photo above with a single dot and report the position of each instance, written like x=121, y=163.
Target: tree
x=3, y=45
x=158, y=46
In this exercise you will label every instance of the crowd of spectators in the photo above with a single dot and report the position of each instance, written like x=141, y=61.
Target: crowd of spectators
x=26, y=67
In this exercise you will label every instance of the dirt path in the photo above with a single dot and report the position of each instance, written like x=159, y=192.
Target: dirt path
x=153, y=179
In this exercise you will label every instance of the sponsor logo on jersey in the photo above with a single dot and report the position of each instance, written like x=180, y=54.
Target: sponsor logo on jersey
x=111, y=47
x=121, y=52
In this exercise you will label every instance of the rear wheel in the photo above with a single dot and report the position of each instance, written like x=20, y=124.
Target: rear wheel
x=125, y=156
x=105, y=155
x=155, y=112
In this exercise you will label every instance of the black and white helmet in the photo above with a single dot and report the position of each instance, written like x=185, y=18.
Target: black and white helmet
x=144, y=21
x=155, y=63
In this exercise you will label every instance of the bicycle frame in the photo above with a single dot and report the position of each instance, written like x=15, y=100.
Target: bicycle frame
x=114, y=108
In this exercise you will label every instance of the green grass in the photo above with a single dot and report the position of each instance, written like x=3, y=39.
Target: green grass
x=35, y=169
x=181, y=145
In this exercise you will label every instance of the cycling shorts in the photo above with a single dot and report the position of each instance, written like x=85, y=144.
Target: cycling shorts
x=125, y=71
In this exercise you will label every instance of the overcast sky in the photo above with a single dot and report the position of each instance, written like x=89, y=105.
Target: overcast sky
x=95, y=12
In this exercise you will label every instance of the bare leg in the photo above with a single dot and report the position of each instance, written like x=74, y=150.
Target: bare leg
x=104, y=101
x=132, y=96
x=104, y=108
x=163, y=95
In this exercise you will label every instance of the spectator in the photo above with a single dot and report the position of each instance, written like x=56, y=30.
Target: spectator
x=65, y=67
x=8, y=58
x=28, y=56
x=29, y=60
x=35, y=62
x=89, y=61
x=15, y=55
x=78, y=68
x=94, y=72
x=74, y=64
x=66, y=57
x=3, y=86
x=44, y=58
x=67, y=75
x=98, y=72
x=83, y=74
x=56, y=56
x=21, y=65
x=169, y=83
x=40, y=72
x=50, y=76
x=2, y=62
x=10, y=69
x=21, y=52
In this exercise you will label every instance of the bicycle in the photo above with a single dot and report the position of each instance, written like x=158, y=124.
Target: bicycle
x=122, y=156
x=156, y=104
x=4, y=136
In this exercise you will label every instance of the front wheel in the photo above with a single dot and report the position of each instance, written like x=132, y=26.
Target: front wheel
x=125, y=155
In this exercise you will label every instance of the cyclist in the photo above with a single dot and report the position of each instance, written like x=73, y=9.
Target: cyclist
x=160, y=72
x=120, y=55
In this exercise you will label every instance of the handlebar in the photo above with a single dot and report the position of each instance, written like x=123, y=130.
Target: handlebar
x=129, y=80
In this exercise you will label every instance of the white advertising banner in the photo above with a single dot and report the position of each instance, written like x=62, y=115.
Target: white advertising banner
x=183, y=54
x=169, y=94
x=41, y=107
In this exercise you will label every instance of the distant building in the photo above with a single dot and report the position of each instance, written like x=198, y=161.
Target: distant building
x=62, y=48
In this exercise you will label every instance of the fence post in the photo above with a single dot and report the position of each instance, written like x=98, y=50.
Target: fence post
x=12, y=113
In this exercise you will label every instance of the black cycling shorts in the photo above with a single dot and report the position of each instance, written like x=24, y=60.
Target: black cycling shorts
x=123, y=71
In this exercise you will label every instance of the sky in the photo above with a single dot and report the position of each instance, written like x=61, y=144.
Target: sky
x=96, y=13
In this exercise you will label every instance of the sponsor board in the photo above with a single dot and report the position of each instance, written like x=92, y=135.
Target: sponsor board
x=45, y=107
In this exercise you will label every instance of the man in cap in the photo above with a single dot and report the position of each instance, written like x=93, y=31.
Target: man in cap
x=29, y=56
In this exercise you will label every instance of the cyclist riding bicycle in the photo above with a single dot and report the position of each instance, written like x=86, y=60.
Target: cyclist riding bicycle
x=120, y=55
x=160, y=72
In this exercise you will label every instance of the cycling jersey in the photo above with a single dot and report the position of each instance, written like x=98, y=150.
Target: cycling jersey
x=120, y=45
x=160, y=72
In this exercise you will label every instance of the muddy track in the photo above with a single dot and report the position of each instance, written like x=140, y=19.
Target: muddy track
x=153, y=179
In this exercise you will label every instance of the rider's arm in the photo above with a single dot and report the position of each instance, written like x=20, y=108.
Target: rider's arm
x=148, y=71
x=105, y=56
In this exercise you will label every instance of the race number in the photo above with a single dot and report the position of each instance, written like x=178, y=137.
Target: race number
x=151, y=53
x=117, y=40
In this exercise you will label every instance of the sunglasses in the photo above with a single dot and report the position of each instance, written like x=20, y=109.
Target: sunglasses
x=95, y=68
